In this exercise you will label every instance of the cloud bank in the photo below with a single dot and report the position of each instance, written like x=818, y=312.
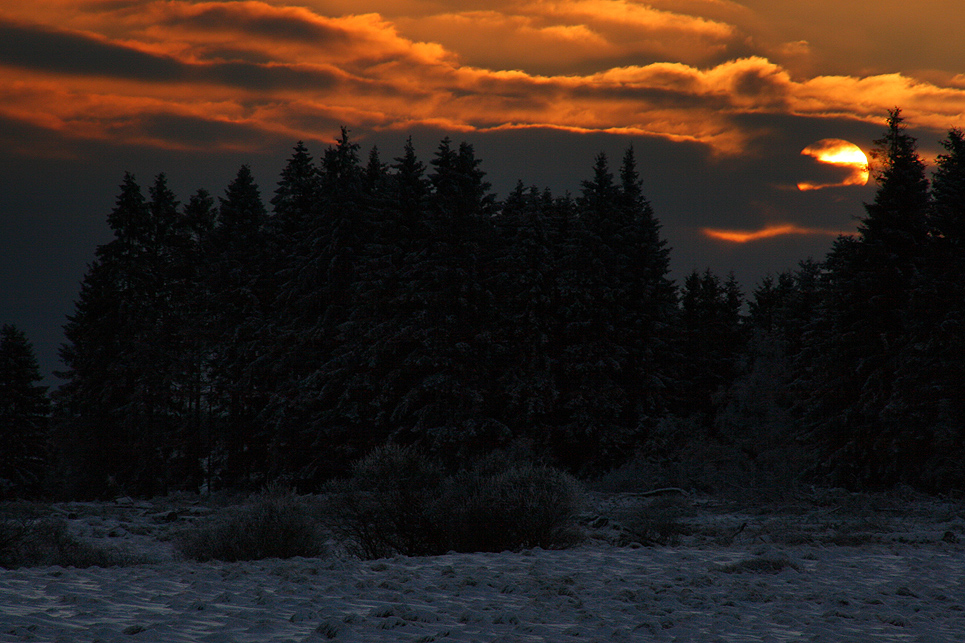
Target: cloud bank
x=185, y=75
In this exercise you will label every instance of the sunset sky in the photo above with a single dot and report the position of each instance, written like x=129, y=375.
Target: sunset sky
x=719, y=98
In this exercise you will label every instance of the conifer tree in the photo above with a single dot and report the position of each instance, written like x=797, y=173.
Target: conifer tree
x=121, y=403
x=591, y=357
x=240, y=296
x=24, y=414
x=650, y=298
x=444, y=312
x=294, y=200
x=873, y=305
x=197, y=337
x=759, y=413
x=711, y=336
x=932, y=372
x=418, y=326
x=523, y=278
x=315, y=304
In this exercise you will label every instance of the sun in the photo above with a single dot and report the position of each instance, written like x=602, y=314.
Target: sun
x=841, y=153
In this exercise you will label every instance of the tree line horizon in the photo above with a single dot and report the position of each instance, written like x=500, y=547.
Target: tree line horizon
x=226, y=345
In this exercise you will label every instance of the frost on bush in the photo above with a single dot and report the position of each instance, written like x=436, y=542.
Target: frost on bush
x=31, y=540
x=385, y=508
x=500, y=505
x=400, y=502
x=274, y=524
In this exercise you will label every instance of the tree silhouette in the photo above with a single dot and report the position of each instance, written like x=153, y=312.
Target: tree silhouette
x=871, y=310
x=24, y=411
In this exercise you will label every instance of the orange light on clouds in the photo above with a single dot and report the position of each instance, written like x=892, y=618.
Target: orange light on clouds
x=746, y=236
x=265, y=69
x=834, y=151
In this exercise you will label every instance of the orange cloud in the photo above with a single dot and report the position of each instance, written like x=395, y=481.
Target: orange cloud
x=779, y=230
x=570, y=36
x=126, y=71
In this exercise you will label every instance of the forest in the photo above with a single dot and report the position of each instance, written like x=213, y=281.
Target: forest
x=235, y=342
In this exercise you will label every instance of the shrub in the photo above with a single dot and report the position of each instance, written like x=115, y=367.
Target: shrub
x=31, y=540
x=386, y=507
x=274, y=524
x=658, y=521
x=500, y=505
x=400, y=502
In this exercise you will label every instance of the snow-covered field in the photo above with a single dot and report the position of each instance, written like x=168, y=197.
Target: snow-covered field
x=832, y=568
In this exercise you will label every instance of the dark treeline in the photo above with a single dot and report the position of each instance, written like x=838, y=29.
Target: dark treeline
x=233, y=343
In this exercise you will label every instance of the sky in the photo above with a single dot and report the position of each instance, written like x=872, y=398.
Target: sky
x=739, y=112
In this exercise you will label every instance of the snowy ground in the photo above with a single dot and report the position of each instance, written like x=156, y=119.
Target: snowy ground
x=826, y=567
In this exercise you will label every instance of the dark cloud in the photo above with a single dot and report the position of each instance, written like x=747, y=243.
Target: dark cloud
x=194, y=132
x=263, y=22
x=265, y=77
x=44, y=49
x=760, y=84
x=652, y=96
x=236, y=53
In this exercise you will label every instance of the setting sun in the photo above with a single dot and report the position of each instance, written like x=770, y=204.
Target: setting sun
x=834, y=151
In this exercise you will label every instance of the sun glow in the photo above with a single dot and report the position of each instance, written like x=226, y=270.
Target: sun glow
x=779, y=230
x=834, y=151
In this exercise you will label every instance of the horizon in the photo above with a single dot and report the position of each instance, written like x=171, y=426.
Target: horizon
x=721, y=101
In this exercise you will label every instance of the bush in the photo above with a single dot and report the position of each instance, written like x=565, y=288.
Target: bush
x=31, y=540
x=274, y=524
x=400, y=502
x=386, y=507
x=658, y=521
x=500, y=505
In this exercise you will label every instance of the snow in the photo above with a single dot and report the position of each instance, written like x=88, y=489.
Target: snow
x=736, y=573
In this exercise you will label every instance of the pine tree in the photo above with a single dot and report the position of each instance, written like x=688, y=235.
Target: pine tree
x=523, y=279
x=931, y=371
x=240, y=298
x=410, y=187
x=875, y=294
x=446, y=311
x=295, y=198
x=24, y=411
x=422, y=315
x=196, y=316
x=948, y=191
x=122, y=402
x=759, y=412
x=650, y=298
x=711, y=336
x=315, y=304
x=590, y=428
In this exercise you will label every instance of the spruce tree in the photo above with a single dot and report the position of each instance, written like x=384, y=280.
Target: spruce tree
x=875, y=432
x=121, y=404
x=523, y=279
x=422, y=316
x=711, y=336
x=650, y=298
x=24, y=414
x=196, y=319
x=240, y=298
x=590, y=428
x=759, y=413
x=314, y=431
x=948, y=191
x=932, y=371
x=294, y=200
